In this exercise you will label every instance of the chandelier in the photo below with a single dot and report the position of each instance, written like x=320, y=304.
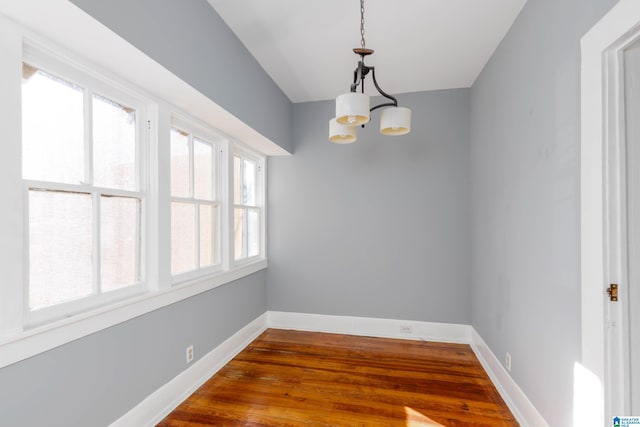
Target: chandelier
x=353, y=108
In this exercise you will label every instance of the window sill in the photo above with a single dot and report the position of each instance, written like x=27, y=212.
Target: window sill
x=40, y=339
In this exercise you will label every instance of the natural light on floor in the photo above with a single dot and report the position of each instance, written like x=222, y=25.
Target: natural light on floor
x=416, y=419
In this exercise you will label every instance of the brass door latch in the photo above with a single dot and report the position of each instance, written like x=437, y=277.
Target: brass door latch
x=612, y=290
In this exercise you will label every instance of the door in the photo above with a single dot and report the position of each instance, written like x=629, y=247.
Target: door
x=606, y=377
x=631, y=308
x=622, y=352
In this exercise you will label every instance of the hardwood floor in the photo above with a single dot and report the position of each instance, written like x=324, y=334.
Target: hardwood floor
x=290, y=378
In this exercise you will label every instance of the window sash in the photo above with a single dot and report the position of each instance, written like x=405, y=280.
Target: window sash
x=98, y=84
x=243, y=254
x=96, y=286
x=244, y=242
x=93, y=86
x=198, y=134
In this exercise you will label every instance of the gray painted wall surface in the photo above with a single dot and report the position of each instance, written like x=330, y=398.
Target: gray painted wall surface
x=95, y=380
x=525, y=175
x=378, y=228
x=191, y=40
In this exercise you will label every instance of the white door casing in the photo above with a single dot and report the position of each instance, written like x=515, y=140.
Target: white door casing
x=603, y=203
x=631, y=306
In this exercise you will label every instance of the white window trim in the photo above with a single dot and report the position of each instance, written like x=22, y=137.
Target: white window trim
x=261, y=196
x=101, y=48
x=92, y=82
x=197, y=129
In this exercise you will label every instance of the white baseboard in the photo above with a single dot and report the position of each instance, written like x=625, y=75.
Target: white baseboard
x=160, y=403
x=367, y=326
x=520, y=406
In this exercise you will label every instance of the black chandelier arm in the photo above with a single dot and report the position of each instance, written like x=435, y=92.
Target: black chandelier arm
x=383, y=93
x=386, y=104
x=359, y=75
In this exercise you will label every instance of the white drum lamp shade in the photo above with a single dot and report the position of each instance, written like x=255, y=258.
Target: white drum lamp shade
x=395, y=121
x=352, y=109
x=341, y=134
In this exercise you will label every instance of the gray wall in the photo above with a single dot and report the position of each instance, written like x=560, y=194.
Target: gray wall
x=95, y=380
x=191, y=40
x=378, y=228
x=525, y=175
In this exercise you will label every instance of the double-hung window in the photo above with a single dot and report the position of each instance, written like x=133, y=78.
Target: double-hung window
x=84, y=189
x=195, y=208
x=121, y=195
x=248, y=214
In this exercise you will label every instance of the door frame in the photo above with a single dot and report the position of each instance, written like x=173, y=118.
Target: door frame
x=603, y=235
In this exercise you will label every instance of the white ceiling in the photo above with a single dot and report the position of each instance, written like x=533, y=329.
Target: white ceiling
x=306, y=45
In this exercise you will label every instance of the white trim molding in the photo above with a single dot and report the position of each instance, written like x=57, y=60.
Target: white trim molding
x=512, y=394
x=160, y=403
x=372, y=327
x=55, y=334
x=599, y=46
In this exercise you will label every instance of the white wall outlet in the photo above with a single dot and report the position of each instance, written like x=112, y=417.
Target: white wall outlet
x=406, y=329
x=190, y=353
x=507, y=362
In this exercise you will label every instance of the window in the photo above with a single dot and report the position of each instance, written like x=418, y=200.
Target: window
x=108, y=183
x=83, y=183
x=195, y=210
x=247, y=211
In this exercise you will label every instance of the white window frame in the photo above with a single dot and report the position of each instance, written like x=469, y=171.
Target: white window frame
x=200, y=131
x=103, y=54
x=260, y=161
x=92, y=83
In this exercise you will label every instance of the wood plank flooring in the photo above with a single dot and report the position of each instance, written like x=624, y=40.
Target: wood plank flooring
x=291, y=378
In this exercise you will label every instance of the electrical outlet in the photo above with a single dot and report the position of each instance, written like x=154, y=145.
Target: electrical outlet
x=406, y=329
x=190, y=353
x=507, y=362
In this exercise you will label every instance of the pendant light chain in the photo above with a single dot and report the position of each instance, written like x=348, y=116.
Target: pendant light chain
x=362, y=23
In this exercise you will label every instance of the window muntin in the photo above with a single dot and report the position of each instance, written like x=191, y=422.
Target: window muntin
x=81, y=170
x=195, y=217
x=247, y=210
